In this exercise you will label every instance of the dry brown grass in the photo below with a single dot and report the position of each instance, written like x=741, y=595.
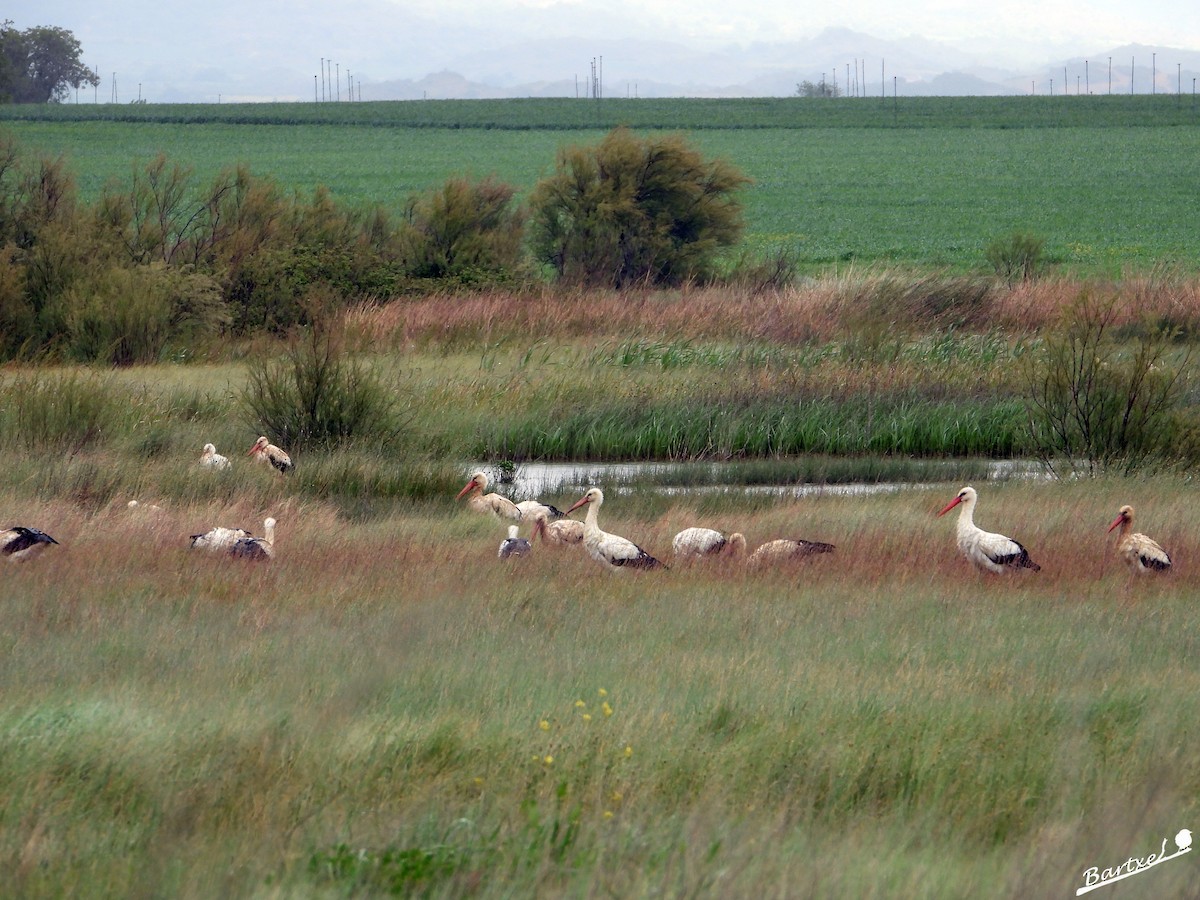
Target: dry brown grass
x=814, y=311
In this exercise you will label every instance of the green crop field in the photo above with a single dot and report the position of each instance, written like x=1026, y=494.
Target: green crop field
x=1107, y=182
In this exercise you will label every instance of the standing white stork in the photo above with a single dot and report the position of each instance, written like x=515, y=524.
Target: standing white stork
x=211, y=459
x=610, y=550
x=786, y=550
x=563, y=531
x=1142, y=554
x=698, y=542
x=513, y=546
x=986, y=550
x=219, y=538
x=257, y=548
x=495, y=504
x=264, y=451
x=19, y=543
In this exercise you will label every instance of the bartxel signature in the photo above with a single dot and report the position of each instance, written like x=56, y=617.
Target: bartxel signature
x=1095, y=877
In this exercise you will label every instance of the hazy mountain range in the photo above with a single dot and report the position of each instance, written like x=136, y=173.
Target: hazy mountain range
x=856, y=62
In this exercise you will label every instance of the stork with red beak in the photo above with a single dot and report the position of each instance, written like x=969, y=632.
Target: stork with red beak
x=494, y=504
x=610, y=550
x=988, y=551
x=264, y=451
x=1141, y=554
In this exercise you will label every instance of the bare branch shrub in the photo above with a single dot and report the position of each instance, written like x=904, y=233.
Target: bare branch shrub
x=1098, y=402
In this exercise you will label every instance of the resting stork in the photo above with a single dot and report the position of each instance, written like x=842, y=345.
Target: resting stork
x=610, y=550
x=513, y=546
x=211, y=459
x=219, y=538
x=564, y=531
x=19, y=543
x=264, y=451
x=258, y=548
x=787, y=549
x=495, y=504
x=986, y=550
x=1141, y=554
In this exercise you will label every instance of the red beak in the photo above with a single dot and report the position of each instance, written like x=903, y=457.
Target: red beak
x=1120, y=519
x=949, y=506
x=578, y=503
x=470, y=484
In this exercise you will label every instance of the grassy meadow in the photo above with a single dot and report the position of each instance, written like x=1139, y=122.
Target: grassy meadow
x=1105, y=181
x=387, y=709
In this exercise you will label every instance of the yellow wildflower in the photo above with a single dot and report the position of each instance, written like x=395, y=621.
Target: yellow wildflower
x=608, y=710
x=608, y=814
x=587, y=717
x=549, y=760
x=603, y=692
x=579, y=704
x=544, y=724
x=628, y=751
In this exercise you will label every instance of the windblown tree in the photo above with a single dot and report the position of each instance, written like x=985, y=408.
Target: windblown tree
x=40, y=65
x=635, y=211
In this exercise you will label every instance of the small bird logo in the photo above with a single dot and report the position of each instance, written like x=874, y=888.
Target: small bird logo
x=1183, y=840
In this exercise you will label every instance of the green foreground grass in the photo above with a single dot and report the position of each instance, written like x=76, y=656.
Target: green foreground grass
x=387, y=709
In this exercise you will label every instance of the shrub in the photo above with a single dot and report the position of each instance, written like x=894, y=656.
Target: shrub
x=462, y=229
x=125, y=316
x=317, y=396
x=1098, y=404
x=631, y=211
x=1016, y=257
x=18, y=318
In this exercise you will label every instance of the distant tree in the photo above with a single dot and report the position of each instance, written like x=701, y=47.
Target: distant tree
x=822, y=88
x=40, y=65
x=635, y=211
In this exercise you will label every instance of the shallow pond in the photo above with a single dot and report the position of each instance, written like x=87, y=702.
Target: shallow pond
x=538, y=479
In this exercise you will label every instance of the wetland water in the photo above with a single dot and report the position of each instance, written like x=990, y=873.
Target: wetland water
x=538, y=479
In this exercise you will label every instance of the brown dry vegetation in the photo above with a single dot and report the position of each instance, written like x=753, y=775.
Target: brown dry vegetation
x=816, y=311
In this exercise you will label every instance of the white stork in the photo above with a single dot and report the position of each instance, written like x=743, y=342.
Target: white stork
x=219, y=539
x=211, y=459
x=612, y=551
x=1142, y=554
x=786, y=550
x=563, y=531
x=530, y=508
x=986, y=550
x=495, y=504
x=19, y=543
x=698, y=542
x=513, y=546
x=257, y=548
x=264, y=451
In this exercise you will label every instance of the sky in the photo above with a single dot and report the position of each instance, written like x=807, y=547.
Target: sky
x=270, y=49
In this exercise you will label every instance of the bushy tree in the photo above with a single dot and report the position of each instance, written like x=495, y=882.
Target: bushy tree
x=40, y=65
x=635, y=211
x=462, y=229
